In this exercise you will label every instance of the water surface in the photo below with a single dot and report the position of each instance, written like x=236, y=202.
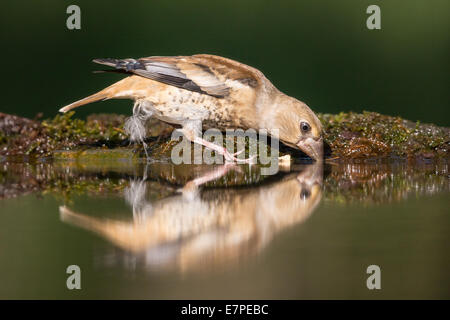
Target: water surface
x=158, y=231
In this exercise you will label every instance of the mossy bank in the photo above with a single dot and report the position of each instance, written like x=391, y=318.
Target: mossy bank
x=348, y=137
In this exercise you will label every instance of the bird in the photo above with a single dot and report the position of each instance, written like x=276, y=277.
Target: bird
x=203, y=91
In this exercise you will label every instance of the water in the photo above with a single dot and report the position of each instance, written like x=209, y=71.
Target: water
x=147, y=231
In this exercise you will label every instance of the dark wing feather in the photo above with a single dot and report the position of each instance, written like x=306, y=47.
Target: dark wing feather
x=174, y=71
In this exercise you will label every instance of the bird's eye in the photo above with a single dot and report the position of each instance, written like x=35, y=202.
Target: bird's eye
x=305, y=194
x=305, y=126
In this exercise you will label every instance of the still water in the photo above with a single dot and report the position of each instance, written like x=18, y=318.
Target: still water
x=159, y=231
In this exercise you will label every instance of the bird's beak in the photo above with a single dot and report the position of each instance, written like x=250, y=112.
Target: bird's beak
x=312, y=147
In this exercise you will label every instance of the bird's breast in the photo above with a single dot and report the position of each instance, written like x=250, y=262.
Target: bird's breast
x=176, y=105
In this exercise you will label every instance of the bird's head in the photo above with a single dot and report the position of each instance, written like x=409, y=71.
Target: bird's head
x=298, y=126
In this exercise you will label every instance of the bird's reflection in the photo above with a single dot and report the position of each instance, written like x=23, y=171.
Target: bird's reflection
x=209, y=228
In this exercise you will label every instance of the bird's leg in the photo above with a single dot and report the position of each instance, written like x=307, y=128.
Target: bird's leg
x=193, y=133
x=229, y=157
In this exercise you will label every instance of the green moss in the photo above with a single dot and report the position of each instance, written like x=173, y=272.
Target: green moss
x=33, y=139
x=62, y=129
x=371, y=135
x=349, y=135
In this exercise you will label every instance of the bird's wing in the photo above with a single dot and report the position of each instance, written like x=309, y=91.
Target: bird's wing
x=212, y=75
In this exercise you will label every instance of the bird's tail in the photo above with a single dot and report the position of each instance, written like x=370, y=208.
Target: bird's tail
x=99, y=96
x=123, y=89
x=113, y=91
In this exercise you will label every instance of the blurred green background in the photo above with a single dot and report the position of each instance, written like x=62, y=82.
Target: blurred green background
x=318, y=51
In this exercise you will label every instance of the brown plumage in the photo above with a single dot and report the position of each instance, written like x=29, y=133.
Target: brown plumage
x=207, y=91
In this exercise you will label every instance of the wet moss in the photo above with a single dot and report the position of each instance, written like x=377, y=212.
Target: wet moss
x=30, y=139
x=350, y=136
x=371, y=135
